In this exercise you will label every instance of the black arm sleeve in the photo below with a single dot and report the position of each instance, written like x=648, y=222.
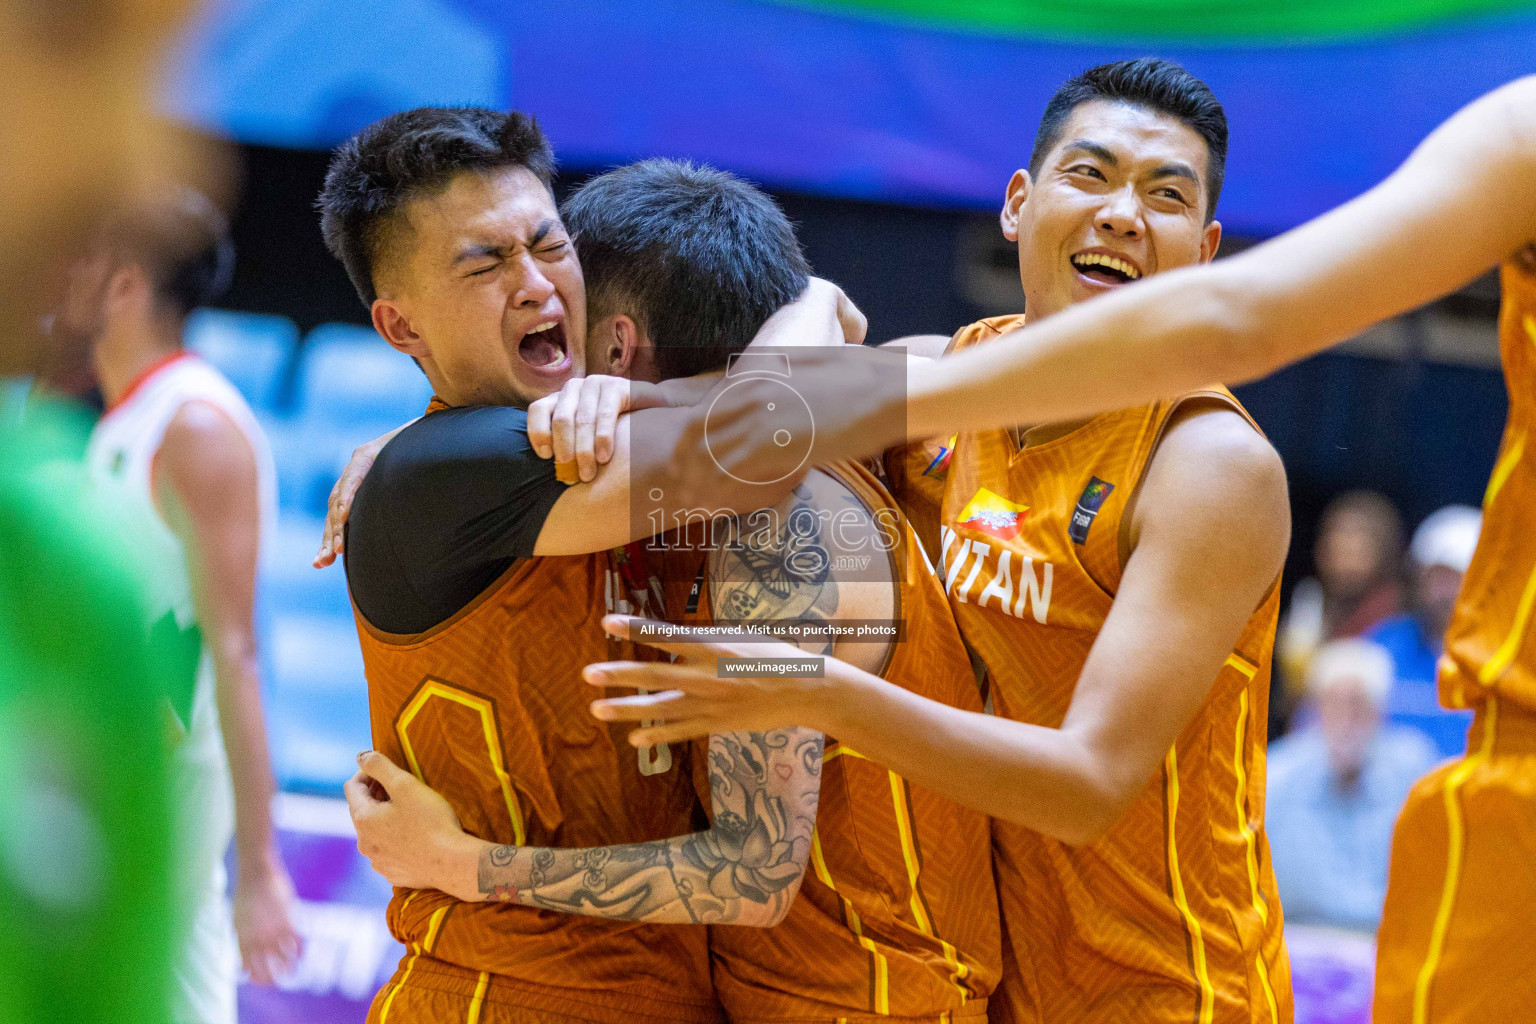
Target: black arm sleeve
x=448, y=506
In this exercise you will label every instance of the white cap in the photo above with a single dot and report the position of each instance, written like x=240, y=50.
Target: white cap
x=1448, y=537
x=1361, y=662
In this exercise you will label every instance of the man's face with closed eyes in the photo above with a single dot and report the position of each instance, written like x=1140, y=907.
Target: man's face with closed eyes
x=481, y=284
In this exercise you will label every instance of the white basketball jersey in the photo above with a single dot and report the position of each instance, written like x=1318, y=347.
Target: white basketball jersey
x=121, y=456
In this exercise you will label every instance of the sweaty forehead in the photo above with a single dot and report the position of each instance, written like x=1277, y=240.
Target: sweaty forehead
x=1138, y=137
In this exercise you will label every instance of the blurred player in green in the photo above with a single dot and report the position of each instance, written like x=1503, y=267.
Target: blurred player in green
x=85, y=908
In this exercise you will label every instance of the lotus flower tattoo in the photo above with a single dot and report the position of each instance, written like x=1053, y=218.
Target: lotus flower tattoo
x=749, y=854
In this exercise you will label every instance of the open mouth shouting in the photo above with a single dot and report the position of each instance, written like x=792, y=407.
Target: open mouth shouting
x=1106, y=268
x=545, y=348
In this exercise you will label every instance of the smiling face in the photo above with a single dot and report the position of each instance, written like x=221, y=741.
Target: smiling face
x=480, y=282
x=1121, y=195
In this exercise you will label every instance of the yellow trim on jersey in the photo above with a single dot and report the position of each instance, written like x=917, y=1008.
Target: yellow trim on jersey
x=1196, y=936
x=958, y=970
x=838, y=750
x=1247, y=832
x=430, y=943
x=384, y=1012
x=1504, y=467
x=1457, y=838
x=881, y=980
x=447, y=691
x=1505, y=655
x=407, y=903
x=478, y=999
x=416, y=952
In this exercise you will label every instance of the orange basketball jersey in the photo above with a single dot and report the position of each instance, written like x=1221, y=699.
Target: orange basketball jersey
x=1172, y=916
x=490, y=710
x=1488, y=649
x=897, y=916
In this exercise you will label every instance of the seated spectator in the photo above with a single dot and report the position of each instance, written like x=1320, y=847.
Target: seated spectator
x=1335, y=789
x=1441, y=551
x=1358, y=562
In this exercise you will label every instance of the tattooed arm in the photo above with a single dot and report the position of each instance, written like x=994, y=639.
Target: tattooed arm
x=764, y=786
x=745, y=869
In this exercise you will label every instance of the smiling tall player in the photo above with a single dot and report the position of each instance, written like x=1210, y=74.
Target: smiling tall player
x=1118, y=578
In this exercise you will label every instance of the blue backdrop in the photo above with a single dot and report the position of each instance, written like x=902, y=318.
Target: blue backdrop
x=815, y=102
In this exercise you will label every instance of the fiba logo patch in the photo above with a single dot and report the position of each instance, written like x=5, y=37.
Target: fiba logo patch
x=1088, y=509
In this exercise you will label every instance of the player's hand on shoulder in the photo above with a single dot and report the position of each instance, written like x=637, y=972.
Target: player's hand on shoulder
x=576, y=425
x=406, y=830
x=339, y=507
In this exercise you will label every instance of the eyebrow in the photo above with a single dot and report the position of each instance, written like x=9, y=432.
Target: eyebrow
x=1173, y=170
x=1177, y=171
x=1092, y=149
x=474, y=252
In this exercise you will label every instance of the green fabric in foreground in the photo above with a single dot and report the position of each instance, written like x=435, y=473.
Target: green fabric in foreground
x=85, y=825
x=1215, y=21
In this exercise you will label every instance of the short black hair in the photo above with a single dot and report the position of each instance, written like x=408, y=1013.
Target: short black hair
x=1151, y=82
x=698, y=257
x=405, y=156
x=181, y=240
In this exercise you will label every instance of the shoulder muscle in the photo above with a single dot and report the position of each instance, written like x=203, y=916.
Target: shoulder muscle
x=1216, y=486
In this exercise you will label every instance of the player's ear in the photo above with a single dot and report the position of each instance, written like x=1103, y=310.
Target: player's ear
x=1210, y=241
x=395, y=327
x=623, y=350
x=1013, y=202
x=128, y=284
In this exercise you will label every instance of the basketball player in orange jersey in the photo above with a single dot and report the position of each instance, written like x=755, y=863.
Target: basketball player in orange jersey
x=1461, y=897
x=479, y=582
x=1118, y=578
x=179, y=455
x=898, y=916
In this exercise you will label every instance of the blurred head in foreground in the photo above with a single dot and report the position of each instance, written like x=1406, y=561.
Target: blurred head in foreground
x=74, y=97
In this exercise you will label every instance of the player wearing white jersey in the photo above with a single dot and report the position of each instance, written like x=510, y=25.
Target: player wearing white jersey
x=179, y=453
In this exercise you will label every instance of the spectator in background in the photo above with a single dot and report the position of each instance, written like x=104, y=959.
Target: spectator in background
x=1358, y=561
x=1440, y=552
x=1335, y=789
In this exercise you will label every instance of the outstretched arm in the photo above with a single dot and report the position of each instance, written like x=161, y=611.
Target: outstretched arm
x=1460, y=204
